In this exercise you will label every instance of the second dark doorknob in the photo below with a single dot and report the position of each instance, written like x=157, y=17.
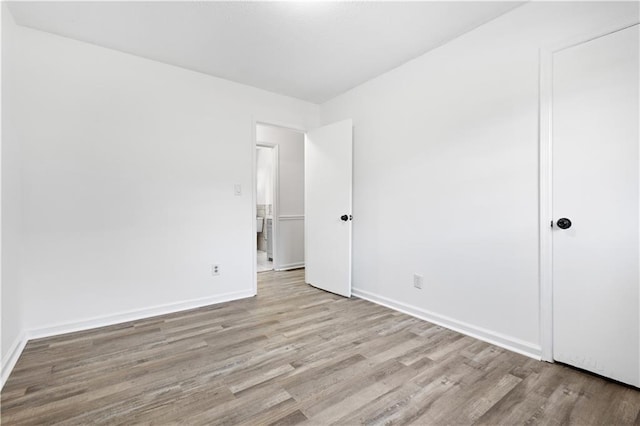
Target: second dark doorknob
x=563, y=223
x=344, y=217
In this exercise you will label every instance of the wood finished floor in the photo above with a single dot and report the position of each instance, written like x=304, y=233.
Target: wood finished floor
x=292, y=355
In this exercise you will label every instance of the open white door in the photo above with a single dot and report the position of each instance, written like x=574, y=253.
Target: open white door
x=328, y=178
x=596, y=323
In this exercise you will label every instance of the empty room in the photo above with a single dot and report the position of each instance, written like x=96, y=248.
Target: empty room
x=322, y=213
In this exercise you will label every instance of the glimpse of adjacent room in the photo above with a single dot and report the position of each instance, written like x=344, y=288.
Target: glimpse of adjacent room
x=264, y=207
x=279, y=198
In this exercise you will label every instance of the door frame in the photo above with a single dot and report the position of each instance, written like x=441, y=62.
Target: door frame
x=254, y=185
x=546, y=177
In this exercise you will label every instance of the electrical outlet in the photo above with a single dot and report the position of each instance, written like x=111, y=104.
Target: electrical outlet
x=215, y=270
x=417, y=281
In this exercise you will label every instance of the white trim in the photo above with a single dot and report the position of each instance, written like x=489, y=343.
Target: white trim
x=507, y=342
x=134, y=315
x=291, y=217
x=12, y=357
x=546, y=177
x=305, y=224
x=545, y=207
x=290, y=266
x=254, y=214
x=275, y=209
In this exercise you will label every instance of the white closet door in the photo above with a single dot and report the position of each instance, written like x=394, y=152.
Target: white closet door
x=596, y=322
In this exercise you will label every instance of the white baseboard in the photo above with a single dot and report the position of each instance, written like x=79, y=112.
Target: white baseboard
x=106, y=320
x=290, y=266
x=133, y=315
x=498, y=339
x=12, y=356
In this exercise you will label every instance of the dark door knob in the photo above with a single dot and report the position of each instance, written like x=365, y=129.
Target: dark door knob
x=344, y=217
x=563, y=223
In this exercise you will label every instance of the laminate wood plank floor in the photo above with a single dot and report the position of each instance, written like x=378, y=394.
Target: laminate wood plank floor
x=298, y=355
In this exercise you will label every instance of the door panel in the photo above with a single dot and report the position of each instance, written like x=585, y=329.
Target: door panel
x=595, y=185
x=328, y=179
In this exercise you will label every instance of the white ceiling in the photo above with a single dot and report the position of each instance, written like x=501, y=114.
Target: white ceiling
x=308, y=50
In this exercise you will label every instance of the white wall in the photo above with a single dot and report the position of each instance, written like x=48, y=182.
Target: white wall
x=446, y=173
x=264, y=175
x=10, y=294
x=128, y=172
x=289, y=249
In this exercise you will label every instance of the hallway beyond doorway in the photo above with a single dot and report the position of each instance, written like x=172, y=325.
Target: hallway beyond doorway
x=264, y=264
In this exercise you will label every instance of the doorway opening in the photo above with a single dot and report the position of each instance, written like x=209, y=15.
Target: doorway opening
x=279, y=198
